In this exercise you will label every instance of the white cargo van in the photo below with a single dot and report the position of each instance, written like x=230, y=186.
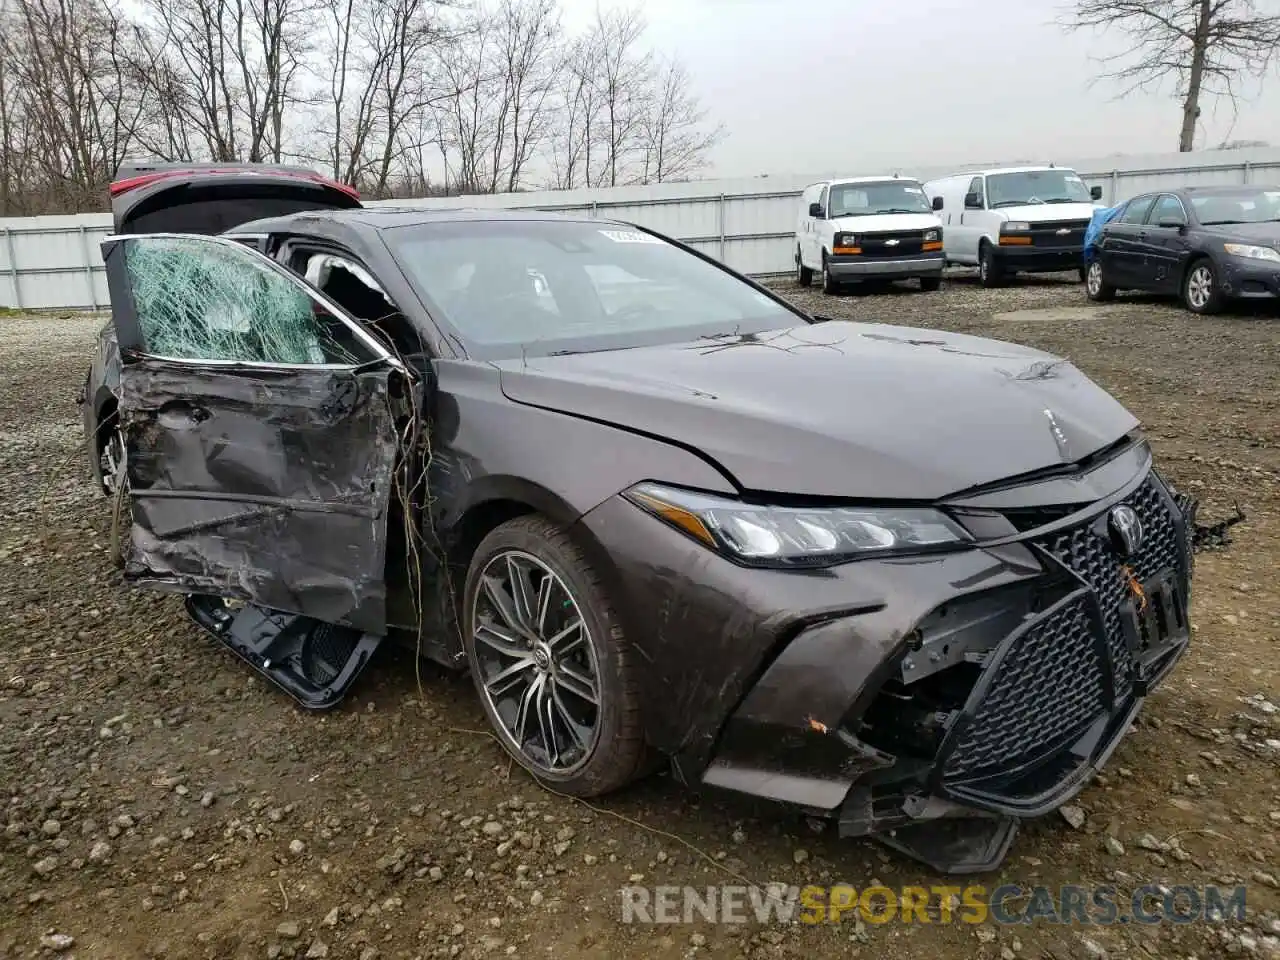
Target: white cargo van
x=867, y=228
x=1016, y=218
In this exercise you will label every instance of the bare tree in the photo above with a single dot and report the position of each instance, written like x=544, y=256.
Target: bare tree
x=1205, y=46
x=399, y=97
x=501, y=77
x=676, y=135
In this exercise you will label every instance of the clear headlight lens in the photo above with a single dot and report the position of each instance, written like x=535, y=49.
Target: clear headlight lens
x=797, y=536
x=1016, y=226
x=932, y=236
x=1250, y=252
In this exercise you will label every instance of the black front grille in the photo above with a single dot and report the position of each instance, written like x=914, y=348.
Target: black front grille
x=1047, y=685
x=904, y=243
x=1051, y=234
x=1087, y=552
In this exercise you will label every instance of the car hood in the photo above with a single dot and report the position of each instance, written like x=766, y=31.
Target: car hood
x=1266, y=233
x=886, y=222
x=1048, y=212
x=840, y=410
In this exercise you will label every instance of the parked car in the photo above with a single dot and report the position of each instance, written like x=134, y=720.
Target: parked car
x=1209, y=245
x=659, y=513
x=1015, y=219
x=867, y=228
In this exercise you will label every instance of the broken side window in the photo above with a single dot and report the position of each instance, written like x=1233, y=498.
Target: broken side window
x=199, y=299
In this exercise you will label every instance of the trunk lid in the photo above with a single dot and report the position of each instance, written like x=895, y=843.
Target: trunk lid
x=215, y=197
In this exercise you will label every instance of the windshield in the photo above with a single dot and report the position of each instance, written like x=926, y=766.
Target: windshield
x=1036, y=186
x=866, y=199
x=513, y=288
x=1236, y=206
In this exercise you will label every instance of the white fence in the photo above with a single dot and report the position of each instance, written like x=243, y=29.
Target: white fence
x=52, y=263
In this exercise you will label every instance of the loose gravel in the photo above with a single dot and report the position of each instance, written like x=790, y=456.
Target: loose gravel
x=159, y=801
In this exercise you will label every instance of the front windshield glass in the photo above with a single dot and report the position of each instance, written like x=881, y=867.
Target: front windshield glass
x=867, y=199
x=1036, y=186
x=519, y=288
x=1236, y=206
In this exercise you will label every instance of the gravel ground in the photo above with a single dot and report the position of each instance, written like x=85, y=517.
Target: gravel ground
x=159, y=801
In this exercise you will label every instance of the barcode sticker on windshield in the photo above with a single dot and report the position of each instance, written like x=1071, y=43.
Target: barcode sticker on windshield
x=629, y=236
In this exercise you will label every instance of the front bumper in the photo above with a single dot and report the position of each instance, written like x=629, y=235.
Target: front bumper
x=971, y=689
x=1250, y=279
x=848, y=268
x=1039, y=259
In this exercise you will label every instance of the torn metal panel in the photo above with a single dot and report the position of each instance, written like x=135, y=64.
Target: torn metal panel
x=264, y=486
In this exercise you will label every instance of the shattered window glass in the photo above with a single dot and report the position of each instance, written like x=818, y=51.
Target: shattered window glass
x=199, y=299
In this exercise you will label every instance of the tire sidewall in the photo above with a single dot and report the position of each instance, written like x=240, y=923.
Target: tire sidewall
x=1209, y=305
x=601, y=623
x=1094, y=270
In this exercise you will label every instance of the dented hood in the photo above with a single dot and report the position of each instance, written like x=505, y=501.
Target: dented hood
x=841, y=410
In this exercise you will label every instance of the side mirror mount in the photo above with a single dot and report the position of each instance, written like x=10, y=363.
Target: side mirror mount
x=815, y=210
x=937, y=203
x=972, y=201
x=1095, y=192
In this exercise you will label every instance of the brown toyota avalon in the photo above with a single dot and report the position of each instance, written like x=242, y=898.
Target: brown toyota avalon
x=915, y=582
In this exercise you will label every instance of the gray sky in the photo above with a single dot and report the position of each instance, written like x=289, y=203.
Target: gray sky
x=816, y=85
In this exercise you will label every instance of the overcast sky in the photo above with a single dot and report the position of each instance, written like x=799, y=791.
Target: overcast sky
x=823, y=85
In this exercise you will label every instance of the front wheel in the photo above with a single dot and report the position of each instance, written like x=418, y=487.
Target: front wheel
x=989, y=271
x=829, y=283
x=804, y=275
x=1200, y=290
x=111, y=459
x=1095, y=284
x=550, y=661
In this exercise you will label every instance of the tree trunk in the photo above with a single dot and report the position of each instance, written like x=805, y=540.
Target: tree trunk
x=1199, y=52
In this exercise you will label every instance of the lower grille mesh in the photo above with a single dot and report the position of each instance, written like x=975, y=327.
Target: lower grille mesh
x=1047, y=686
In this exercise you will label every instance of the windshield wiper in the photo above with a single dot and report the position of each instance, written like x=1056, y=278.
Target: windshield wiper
x=1222, y=223
x=1066, y=200
x=901, y=210
x=1012, y=203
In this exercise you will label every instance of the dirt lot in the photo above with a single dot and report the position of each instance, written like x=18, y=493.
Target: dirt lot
x=159, y=801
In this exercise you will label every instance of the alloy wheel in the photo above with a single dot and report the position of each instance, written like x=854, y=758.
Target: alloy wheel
x=535, y=662
x=1200, y=287
x=111, y=462
x=1094, y=278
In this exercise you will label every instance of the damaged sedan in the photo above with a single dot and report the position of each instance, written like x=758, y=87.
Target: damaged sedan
x=916, y=583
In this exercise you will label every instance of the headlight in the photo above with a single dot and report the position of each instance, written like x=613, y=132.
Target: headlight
x=846, y=239
x=797, y=536
x=1016, y=226
x=932, y=236
x=1251, y=252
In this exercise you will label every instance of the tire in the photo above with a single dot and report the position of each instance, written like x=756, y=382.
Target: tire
x=829, y=284
x=989, y=270
x=930, y=284
x=111, y=456
x=1200, y=291
x=804, y=275
x=1095, y=283
x=596, y=747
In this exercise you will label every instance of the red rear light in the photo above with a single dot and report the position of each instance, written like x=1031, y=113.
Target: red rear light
x=142, y=180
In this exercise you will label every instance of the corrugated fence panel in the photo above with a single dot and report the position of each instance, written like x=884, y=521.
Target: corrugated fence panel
x=55, y=263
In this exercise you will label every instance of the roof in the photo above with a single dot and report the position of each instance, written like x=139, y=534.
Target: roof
x=880, y=178
x=999, y=170
x=387, y=217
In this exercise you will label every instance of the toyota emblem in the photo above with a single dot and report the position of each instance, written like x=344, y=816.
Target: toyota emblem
x=1125, y=528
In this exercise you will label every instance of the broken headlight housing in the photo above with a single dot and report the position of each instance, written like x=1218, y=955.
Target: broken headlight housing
x=762, y=535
